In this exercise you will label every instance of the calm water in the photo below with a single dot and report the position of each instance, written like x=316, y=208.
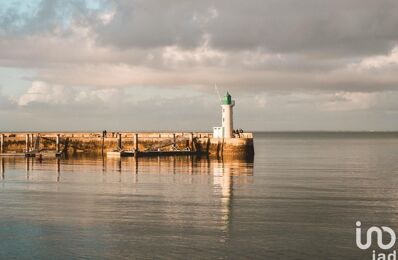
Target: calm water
x=299, y=199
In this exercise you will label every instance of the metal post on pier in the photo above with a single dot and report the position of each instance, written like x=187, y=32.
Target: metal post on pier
x=103, y=142
x=37, y=143
x=191, y=141
x=57, y=143
x=174, y=139
x=119, y=141
x=135, y=143
x=27, y=143
x=31, y=141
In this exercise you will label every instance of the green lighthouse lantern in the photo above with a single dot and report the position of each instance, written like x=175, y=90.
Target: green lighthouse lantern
x=227, y=99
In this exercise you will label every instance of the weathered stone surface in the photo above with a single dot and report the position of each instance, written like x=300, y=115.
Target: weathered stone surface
x=92, y=142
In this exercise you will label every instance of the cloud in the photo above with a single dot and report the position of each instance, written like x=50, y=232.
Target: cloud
x=196, y=44
x=49, y=107
x=44, y=93
x=321, y=28
x=344, y=101
x=44, y=106
x=378, y=62
x=40, y=92
x=286, y=61
x=106, y=17
x=151, y=24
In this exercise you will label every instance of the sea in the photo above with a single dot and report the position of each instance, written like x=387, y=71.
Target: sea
x=300, y=197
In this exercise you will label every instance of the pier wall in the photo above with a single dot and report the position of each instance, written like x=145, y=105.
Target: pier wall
x=94, y=143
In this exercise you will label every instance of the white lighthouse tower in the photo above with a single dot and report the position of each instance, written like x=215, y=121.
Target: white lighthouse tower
x=226, y=131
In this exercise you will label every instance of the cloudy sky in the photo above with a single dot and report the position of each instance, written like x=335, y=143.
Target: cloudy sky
x=152, y=65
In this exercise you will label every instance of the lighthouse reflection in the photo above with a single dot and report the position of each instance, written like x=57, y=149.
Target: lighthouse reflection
x=227, y=175
x=223, y=186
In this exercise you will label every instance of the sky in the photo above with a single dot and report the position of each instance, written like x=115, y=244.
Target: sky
x=153, y=65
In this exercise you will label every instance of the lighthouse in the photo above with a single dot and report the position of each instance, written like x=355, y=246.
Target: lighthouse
x=226, y=130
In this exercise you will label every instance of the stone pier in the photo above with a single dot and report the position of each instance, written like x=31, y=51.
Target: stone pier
x=97, y=142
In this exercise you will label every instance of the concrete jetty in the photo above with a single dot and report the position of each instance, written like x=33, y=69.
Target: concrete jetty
x=138, y=143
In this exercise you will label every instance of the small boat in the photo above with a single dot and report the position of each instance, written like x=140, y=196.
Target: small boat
x=121, y=153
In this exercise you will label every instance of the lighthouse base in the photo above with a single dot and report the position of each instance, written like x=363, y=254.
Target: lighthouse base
x=229, y=147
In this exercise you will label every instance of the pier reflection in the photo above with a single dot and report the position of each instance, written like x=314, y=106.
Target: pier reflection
x=2, y=168
x=223, y=171
x=177, y=184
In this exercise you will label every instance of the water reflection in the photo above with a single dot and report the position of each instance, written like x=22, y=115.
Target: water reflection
x=217, y=178
x=188, y=165
x=301, y=203
x=223, y=185
x=2, y=168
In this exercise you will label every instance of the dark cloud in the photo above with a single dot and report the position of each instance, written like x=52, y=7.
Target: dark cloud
x=148, y=24
x=324, y=28
x=320, y=28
